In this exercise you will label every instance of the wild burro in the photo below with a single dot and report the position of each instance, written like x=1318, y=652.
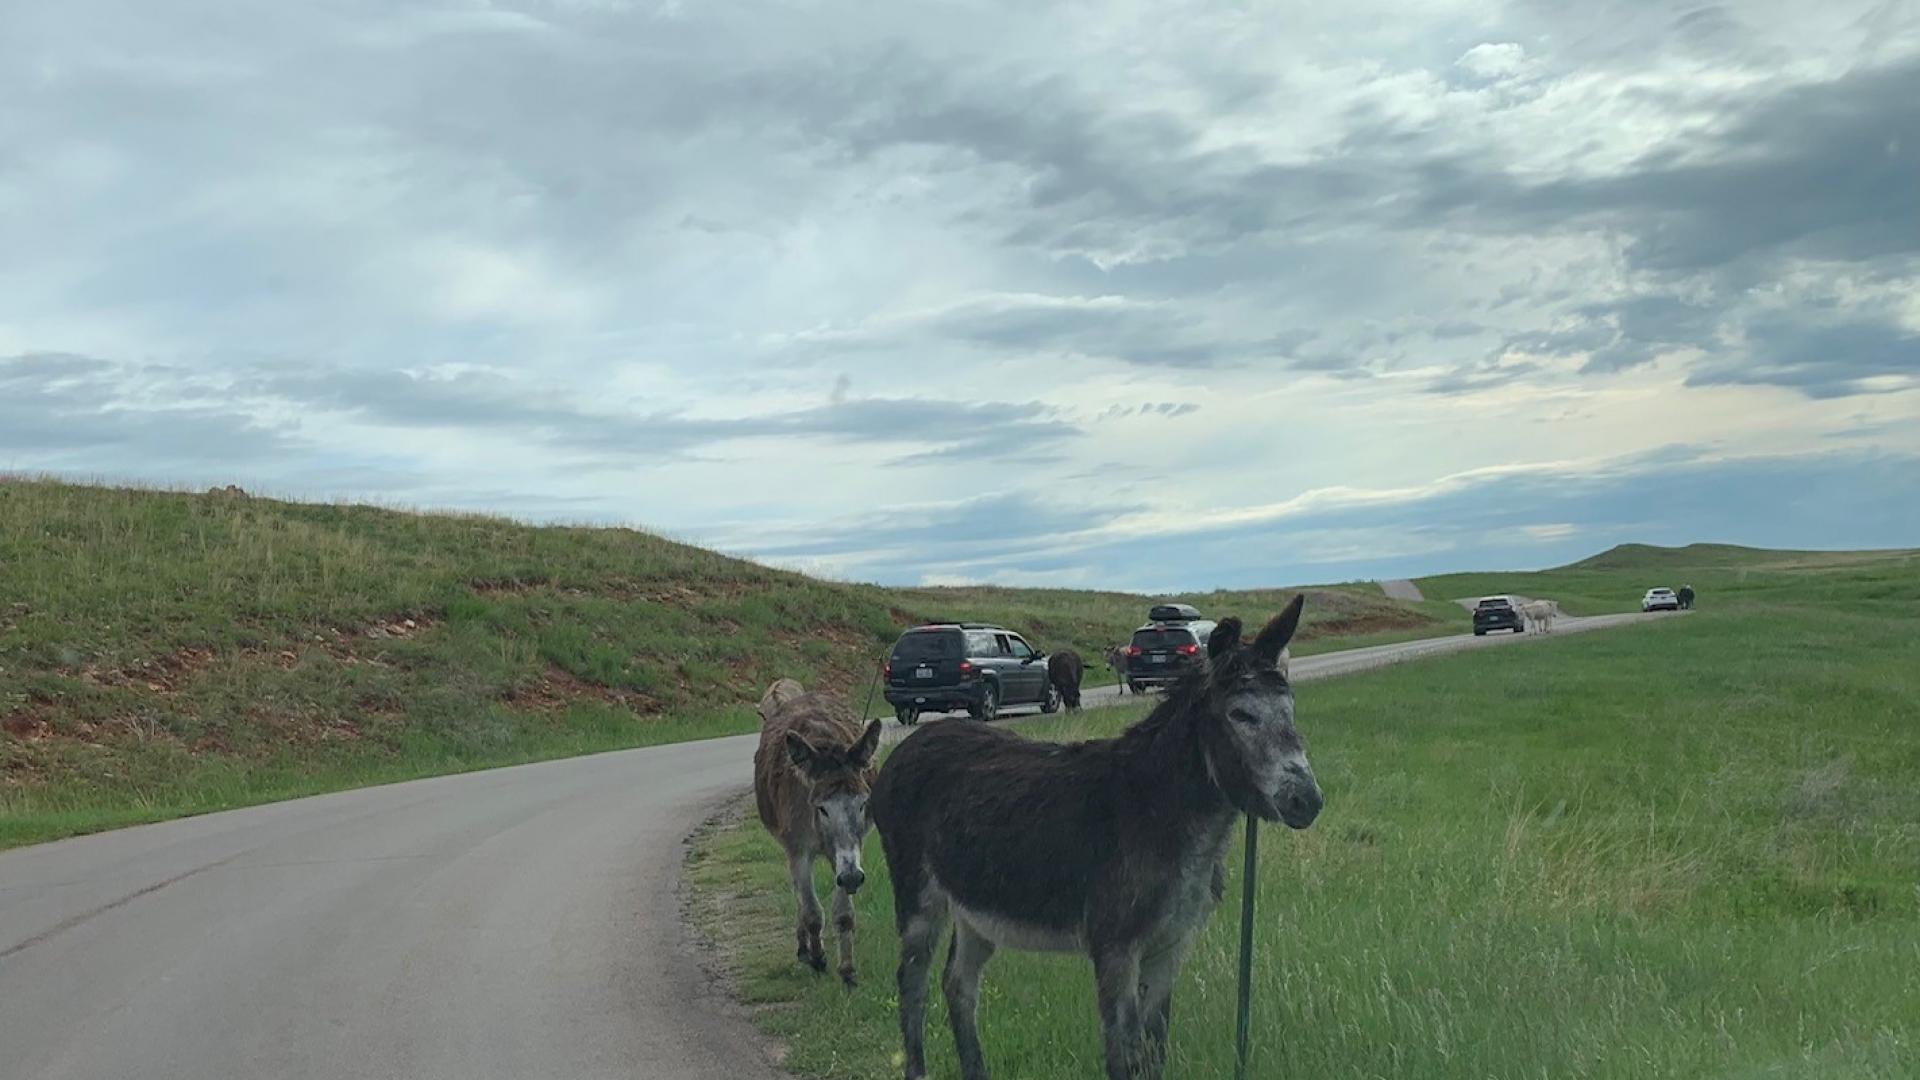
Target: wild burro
x=1112, y=847
x=1064, y=671
x=812, y=774
x=1117, y=663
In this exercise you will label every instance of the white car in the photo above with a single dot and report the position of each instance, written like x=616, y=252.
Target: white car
x=1661, y=599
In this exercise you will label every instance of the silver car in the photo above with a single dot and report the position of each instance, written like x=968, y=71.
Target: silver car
x=1660, y=599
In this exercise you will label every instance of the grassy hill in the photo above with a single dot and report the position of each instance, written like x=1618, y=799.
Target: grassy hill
x=1677, y=850
x=164, y=652
x=1730, y=556
x=1614, y=580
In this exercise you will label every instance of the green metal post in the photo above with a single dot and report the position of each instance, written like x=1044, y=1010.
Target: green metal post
x=1246, y=952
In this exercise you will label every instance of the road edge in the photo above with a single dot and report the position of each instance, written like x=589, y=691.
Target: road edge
x=720, y=987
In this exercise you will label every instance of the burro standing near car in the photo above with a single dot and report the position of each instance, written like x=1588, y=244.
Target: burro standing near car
x=812, y=772
x=1110, y=848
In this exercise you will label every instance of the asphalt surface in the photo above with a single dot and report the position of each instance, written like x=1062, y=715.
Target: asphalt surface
x=519, y=923
x=1401, y=589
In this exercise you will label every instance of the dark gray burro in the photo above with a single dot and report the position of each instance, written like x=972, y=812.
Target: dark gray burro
x=811, y=775
x=1064, y=670
x=1112, y=847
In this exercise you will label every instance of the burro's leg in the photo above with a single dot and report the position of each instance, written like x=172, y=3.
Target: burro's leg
x=1116, y=971
x=966, y=956
x=1158, y=970
x=843, y=929
x=808, y=929
x=920, y=926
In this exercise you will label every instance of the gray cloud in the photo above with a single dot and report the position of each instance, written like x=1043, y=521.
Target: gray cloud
x=1618, y=335
x=1107, y=184
x=482, y=401
x=986, y=528
x=64, y=411
x=1483, y=376
x=1168, y=409
x=1824, y=171
x=1143, y=333
x=1824, y=359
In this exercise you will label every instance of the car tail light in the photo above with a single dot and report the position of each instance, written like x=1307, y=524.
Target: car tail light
x=1188, y=650
x=966, y=667
x=1134, y=650
x=886, y=670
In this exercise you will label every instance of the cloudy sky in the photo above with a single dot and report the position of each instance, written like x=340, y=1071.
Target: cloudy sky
x=1155, y=295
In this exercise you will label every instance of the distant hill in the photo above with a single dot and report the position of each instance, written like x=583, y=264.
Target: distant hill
x=1654, y=557
x=1615, y=579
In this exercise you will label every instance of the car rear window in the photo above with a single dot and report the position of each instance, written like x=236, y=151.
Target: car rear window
x=928, y=645
x=1162, y=639
x=1496, y=602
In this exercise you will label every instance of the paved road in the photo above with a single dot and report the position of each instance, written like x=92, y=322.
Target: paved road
x=1350, y=661
x=519, y=924
x=1401, y=589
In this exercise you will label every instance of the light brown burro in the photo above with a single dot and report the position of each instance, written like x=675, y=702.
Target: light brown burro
x=1110, y=848
x=811, y=776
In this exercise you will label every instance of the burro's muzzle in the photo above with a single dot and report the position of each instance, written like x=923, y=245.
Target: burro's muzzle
x=846, y=826
x=1296, y=800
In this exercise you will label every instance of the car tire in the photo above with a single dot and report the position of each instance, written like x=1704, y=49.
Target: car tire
x=988, y=707
x=1477, y=632
x=1051, y=703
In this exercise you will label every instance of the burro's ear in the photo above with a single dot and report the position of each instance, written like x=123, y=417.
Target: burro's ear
x=862, y=753
x=1225, y=637
x=1279, y=631
x=799, y=750
x=777, y=696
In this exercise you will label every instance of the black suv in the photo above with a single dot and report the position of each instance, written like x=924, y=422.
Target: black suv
x=1173, y=641
x=978, y=667
x=1497, y=613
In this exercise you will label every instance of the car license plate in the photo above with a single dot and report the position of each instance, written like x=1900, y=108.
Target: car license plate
x=923, y=673
x=1160, y=658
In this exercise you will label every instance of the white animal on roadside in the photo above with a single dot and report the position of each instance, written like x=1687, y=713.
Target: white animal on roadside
x=1541, y=613
x=1117, y=660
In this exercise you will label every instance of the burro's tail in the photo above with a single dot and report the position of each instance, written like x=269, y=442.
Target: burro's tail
x=777, y=697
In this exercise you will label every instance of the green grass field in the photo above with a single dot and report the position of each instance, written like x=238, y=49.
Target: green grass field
x=1686, y=849
x=165, y=653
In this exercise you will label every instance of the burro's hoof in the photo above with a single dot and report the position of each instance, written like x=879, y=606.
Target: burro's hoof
x=846, y=976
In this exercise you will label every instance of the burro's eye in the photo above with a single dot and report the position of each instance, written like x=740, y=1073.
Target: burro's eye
x=1243, y=716
x=821, y=810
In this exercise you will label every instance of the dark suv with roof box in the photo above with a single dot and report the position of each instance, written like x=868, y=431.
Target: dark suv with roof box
x=1172, y=642
x=978, y=667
